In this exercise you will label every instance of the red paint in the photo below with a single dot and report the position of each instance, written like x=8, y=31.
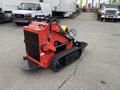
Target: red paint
x=42, y=29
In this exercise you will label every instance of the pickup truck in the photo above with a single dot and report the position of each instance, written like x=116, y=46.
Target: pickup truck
x=109, y=12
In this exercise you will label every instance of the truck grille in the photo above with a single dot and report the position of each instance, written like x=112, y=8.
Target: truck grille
x=32, y=45
x=111, y=12
x=19, y=16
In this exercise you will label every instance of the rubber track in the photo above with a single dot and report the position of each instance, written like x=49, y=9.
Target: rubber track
x=65, y=58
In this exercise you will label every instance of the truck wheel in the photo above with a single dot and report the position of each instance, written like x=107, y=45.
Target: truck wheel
x=106, y=20
x=115, y=20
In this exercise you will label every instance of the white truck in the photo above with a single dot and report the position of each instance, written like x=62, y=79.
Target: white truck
x=63, y=8
x=28, y=10
x=109, y=12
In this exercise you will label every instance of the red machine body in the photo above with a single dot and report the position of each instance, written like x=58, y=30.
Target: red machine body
x=49, y=45
x=42, y=30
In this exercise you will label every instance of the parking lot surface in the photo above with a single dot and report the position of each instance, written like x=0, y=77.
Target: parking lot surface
x=97, y=69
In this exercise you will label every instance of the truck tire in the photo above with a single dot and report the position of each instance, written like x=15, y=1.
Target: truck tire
x=115, y=20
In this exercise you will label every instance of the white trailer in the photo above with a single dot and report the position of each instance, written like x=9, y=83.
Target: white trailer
x=7, y=6
x=63, y=8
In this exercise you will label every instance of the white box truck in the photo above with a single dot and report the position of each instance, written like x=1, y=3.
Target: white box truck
x=63, y=8
x=28, y=10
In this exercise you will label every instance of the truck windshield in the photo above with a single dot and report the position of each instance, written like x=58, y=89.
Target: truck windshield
x=110, y=6
x=27, y=6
